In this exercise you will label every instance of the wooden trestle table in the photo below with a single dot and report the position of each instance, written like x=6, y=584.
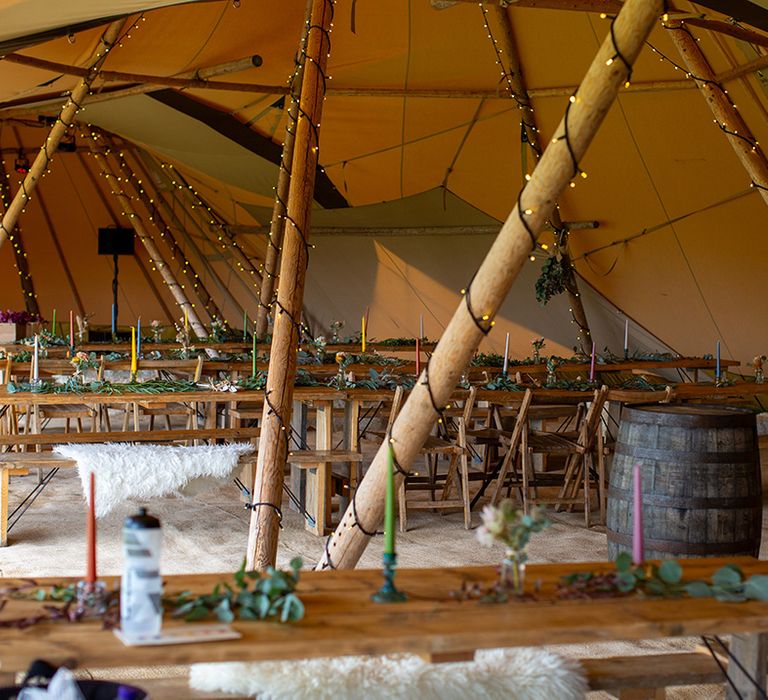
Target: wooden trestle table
x=342, y=620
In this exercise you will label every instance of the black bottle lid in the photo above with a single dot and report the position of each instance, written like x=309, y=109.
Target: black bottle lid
x=141, y=521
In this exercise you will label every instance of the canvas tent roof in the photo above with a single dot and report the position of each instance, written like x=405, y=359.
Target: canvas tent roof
x=416, y=117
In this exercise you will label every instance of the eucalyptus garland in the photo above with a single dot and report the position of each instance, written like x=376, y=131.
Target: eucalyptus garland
x=551, y=281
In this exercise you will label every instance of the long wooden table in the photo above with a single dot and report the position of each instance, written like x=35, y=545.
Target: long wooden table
x=342, y=620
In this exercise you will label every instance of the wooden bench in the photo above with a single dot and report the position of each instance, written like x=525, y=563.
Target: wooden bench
x=16, y=463
x=646, y=677
x=642, y=677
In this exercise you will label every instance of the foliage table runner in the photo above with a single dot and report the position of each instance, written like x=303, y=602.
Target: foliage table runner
x=340, y=619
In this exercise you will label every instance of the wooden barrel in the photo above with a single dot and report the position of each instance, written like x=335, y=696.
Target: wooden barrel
x=700, y=474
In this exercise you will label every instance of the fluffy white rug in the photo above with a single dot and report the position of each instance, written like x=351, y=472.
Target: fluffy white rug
x=142, y=472
x=508, y=674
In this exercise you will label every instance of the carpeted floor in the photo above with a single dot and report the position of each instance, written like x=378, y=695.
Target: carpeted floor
x=208, y=533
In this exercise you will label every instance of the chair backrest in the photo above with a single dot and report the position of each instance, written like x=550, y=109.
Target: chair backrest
x=521, y=422
x=397, y=399
x=591, y=422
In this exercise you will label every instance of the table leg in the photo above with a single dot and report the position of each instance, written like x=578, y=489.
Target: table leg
x=351, y=443
x=298, y=476
x=319, y=477
x=4, y=478
x=751, y=651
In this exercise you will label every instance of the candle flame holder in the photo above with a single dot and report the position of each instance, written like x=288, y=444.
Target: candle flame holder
x=388, y=593
x=91, y=597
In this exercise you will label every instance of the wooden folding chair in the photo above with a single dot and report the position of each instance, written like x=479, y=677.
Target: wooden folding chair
x=579, y=448
x=453, y=446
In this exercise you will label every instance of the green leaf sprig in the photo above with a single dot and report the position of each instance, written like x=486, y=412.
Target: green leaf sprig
x=271, y=597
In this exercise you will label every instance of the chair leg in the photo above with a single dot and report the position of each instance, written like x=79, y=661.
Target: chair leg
x=502, y=476
x=151, y=421
x=402, y=507
x=167, y=421
x=449, y=477
x=79, y=425
x=526, y=464
x=585, y=468
x=601, y=490
x=465, y=490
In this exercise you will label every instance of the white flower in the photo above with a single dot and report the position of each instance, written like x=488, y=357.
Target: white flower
x=484, y=537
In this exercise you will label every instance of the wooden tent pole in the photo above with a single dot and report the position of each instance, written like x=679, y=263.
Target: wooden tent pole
x=277, y=225
x=493, y=280
x=107, y=204
x=725, y=113
x=177, y=253
x=276, y=419
x=146, y=239
x=520, y=94
x=19, y=252
x=156, y=194
x=74, y=103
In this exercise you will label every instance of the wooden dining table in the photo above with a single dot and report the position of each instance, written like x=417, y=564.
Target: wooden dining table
x=341, y=619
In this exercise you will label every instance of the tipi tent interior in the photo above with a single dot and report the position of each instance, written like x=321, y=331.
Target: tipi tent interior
x=424, y=125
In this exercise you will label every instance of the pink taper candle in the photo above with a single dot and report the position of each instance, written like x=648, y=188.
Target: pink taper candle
x=592, y=365
x=638, y=546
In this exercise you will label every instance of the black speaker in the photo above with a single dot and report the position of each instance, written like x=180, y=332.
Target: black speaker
x=115, y=241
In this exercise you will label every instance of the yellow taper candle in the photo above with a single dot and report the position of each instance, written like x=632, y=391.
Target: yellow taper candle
x=389, y=504
x=186, y=321
x=362, y=335
x=134, y=363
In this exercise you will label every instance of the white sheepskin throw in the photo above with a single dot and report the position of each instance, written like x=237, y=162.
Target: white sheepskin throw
x=503, y=674
x=142, y=472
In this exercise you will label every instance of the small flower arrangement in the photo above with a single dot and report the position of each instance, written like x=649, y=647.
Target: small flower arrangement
x=19, y=317
x=336, y=326
x=218, y=330
x=157, y=330
x=512, y=528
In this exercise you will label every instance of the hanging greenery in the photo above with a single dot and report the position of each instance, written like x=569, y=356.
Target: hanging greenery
x=551, y=281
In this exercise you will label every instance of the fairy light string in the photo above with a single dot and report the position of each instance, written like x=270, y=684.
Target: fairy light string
x=177, y=253
x=71, y=101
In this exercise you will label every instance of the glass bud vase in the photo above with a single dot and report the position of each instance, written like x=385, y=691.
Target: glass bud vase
x=536, y=357
x=759, y=376
x=551, y=379
x=512, y=572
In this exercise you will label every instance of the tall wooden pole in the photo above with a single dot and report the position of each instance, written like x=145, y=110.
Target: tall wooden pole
x=494, y=278
x=177, y=253
x=723, y=110
x=510, y=59
x=73, y=104
x=155, y=256
x=277, y=225
x=276, y=419
x=19, y=251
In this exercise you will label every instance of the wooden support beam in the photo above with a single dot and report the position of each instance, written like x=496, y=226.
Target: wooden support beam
x=277, y=227
x=73, y=104
x=196, y=80
x=726, y=115
x=155, y=256
x=177, y=252
x=156, y=190
x=286, y=336
x=494, y=278
x=501, y=28
x=19, y=251
x=395, y=231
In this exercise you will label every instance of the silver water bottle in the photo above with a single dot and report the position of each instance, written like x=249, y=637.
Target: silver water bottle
x=141, y=610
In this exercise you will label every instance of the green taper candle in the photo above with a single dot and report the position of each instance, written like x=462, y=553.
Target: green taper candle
x=53, y=323
x=253, y=371
x=389, y=504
